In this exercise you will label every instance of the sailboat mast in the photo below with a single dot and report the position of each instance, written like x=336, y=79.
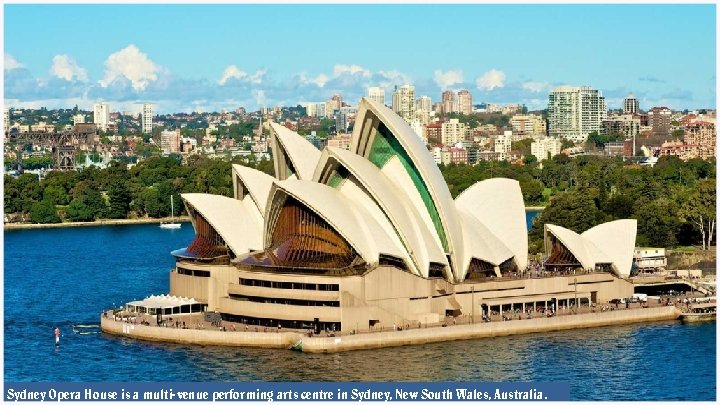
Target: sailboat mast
x=172, y=207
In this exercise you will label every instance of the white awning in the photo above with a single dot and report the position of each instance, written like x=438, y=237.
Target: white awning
x=163, y=301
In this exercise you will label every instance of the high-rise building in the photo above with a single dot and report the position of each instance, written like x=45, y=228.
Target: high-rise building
x=448, y=102
x=403, y=102
x=424, y=104
x=527, y=125
x=574, y=112
x=377, y=94
x=503, y=144
x=546, y=147
x=465, y=105
x=169, y=141
x=702, y=135
x=631, y=105
x=659, y=119
x=6, y=119
x=101, y=116
x=147, y=117
x=333, y=105
x=341, y=122
x=453, y=131
x=627, y=125
x=315, y=109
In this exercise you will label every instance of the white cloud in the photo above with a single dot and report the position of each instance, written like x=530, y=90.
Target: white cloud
x=535, y=87
x=260, y=98
x=131, y=64
x=447, y=79
x=11, y=63
x=67, y=68
x=392, y=77
x=234, y=72
x=319, y=81
x=491, y=80
x=351, y=69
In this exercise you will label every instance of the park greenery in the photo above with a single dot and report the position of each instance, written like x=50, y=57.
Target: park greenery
x=674, y=201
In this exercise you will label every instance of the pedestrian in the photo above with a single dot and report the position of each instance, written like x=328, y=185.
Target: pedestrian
x=57, y=336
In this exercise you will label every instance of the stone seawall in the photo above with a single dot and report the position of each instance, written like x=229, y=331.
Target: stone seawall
x=283, y=340
x=696, y=259
x=286, y=340
x=481, y=330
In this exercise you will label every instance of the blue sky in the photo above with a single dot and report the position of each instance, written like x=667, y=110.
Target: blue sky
x=187, y=57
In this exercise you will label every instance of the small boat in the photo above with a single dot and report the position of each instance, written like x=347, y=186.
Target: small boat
x=172, y=224
x=86, y=329
x=700, y=313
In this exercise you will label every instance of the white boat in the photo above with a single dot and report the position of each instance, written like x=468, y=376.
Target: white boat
x=172, y=224
x=700, y=313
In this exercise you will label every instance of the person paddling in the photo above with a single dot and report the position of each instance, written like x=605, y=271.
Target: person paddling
x=57, y=336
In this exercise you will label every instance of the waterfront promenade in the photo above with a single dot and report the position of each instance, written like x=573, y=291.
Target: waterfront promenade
x=197, y=331
x=100, y=222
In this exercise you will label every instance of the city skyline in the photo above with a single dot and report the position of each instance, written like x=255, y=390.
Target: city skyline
x=192, y=57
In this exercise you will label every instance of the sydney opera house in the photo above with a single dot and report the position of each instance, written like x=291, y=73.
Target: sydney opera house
x=353, y=239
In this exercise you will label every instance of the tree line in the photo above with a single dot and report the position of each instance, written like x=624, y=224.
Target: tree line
x=117, y=192
x=674, y=201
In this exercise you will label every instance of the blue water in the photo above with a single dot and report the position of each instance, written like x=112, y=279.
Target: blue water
x=529, y=216
x=60, y=277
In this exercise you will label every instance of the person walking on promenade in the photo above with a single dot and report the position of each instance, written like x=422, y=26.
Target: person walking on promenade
x=57, y=336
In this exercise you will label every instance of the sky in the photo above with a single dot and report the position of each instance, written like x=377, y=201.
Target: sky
x=186, y=58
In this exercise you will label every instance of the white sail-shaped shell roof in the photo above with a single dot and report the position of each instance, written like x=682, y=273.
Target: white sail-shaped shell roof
x=287, y=144
x=574, y=243
x=237, y=222
x=611, y=242
x=617, y=240
x=481, y=244
x=415, y=235
x=356, y=225
x=428, y=171
x=498, y=204
x=253, y=183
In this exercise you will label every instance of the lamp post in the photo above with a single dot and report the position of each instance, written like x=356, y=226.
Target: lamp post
x=576, y=301
x=472, y=296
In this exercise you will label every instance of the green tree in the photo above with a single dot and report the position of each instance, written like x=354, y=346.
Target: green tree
x=658, y=222
x=22, y=192
x=566, y=143
x=43, y=212
x=575, y=210
x=522, y=146
x=700, y=211
x=78, y=211
x=532, y=191
x=118, y=200
x=55, y=194
x=529, y=159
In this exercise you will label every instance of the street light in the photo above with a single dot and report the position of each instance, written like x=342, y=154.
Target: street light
x=576, y=301
x=472, y=296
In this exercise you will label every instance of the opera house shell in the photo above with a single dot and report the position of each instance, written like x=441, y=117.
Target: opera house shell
x=351, y=239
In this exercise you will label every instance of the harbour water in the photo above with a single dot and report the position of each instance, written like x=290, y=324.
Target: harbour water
x=61, y=277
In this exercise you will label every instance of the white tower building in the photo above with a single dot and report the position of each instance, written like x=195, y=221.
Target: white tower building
x=147, y=116
x=101, y=116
